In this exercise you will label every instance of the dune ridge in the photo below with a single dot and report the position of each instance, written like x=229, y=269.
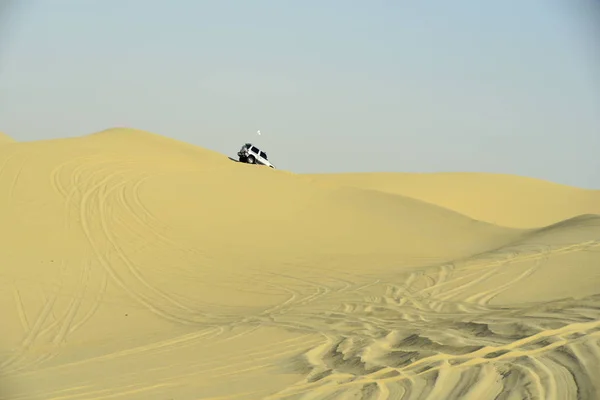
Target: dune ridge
x=134, y=266
x=502, y=199
x=4, y=138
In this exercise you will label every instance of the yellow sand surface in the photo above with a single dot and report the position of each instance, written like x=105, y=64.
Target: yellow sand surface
x=133, y=266
x=4, y=138
x=508, y=200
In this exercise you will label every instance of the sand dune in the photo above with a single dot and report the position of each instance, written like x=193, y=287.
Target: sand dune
x=507, y=200
x=137, y=267
x=4, y=138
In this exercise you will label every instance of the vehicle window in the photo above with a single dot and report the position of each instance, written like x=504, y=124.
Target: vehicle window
x=255, y=150
x=263, y=155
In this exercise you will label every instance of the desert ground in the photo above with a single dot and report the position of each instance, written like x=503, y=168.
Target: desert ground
x=134, y=266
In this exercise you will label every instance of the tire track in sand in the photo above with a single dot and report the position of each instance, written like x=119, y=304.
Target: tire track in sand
x=60, y=327
x=135, y=206
x=133, y=270
x=33, y=333
x=466, y=349
x=90, y=201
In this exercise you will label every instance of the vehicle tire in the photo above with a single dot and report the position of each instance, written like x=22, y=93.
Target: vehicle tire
x=243, y=159
x=251, y=160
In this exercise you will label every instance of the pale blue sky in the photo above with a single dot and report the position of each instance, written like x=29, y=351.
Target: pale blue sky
x=464, y=85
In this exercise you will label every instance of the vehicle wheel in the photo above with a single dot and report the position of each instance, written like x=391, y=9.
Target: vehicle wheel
x=251, y=160
x=243, y=159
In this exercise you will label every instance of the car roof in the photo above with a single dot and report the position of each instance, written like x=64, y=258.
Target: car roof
x=255, y=146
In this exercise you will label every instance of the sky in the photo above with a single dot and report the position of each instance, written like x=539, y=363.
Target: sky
x=506, y=86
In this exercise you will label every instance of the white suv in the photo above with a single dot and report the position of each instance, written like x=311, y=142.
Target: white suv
x=253, y=155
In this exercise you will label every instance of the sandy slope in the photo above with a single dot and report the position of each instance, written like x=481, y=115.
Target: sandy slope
x=4, y=138
x=507, y=200
x=137, y=267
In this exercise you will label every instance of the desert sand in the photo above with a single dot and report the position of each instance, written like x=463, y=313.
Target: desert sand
x=133, y=266
x=4, y=138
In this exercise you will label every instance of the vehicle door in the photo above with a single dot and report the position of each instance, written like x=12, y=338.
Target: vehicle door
x=255, y=152
x=263, y=158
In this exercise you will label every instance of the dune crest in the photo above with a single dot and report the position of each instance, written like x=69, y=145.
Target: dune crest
x=506, y=200
x=134, y=266
x=4, y=138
